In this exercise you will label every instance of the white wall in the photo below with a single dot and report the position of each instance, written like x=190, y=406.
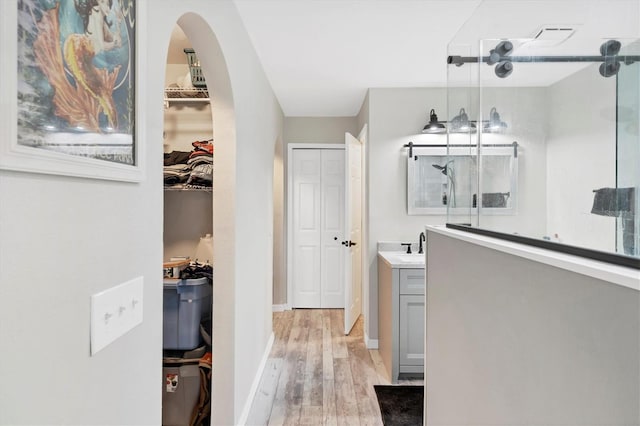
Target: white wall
x=363, y=115
x=513, y=341
x=63, y=239
x=188, y=216
x=525, y=112
x=396, y=116
x=279, y=226
x=581, y=157
x=318, y=129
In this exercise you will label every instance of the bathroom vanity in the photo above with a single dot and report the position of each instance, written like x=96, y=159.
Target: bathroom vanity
x=401, y=313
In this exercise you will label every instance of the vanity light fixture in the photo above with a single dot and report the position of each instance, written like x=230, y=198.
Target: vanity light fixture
x=434, y=126
x=495, y=123
x=461, y=124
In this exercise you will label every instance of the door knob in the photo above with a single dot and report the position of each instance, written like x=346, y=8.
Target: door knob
x=348, y=243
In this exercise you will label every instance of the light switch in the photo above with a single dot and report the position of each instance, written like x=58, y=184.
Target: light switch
x=114, y=312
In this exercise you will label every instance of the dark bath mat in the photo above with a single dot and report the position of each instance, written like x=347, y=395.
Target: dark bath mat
x=401, y=405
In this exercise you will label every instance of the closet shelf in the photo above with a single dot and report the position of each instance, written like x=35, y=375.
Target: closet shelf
x=183, y=95
x=189, y=188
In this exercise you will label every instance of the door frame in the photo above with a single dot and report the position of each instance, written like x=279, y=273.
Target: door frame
x=289, y=237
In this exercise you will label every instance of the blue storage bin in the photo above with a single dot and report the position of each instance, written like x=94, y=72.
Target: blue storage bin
x=185, y=302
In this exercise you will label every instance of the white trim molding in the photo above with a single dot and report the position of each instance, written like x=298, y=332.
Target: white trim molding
x=281, y=308
x=242, y=420
x=370, y=343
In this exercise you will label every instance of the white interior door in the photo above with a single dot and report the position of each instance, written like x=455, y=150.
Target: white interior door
x=318, y=228
x=353, y=243
x=306, y=227
x=332, y=229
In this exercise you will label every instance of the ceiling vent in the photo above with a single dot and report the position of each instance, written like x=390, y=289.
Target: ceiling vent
x=552, y=35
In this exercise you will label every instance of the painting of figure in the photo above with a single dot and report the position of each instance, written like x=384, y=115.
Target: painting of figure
x=76, y=65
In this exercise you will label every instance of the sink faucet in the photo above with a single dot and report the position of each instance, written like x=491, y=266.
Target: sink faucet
x=421, y=239
x=408, y=247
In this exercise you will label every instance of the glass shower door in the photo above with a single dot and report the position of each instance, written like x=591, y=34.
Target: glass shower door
x=628, y=157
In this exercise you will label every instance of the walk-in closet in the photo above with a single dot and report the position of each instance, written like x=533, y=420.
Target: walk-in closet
x=188, y=143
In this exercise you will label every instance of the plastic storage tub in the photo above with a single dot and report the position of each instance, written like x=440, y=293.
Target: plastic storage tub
x=181, y=392
x=185, y=302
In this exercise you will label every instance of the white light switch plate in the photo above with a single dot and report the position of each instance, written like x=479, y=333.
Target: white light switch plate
x=114, y=312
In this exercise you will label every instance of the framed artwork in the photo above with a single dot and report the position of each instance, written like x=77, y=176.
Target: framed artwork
x=69, y=102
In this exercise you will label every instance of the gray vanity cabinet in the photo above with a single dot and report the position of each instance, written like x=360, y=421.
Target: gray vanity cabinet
x=401, y=306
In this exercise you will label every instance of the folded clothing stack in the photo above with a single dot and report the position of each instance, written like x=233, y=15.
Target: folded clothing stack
x=190, y=169
x=176, y=174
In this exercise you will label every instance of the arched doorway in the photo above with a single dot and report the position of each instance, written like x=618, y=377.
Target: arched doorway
x=214, y=68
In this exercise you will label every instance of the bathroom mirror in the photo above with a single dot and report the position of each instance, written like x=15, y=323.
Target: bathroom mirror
x=438, y=180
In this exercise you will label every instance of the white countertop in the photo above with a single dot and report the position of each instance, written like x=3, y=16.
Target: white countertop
x=398, y=259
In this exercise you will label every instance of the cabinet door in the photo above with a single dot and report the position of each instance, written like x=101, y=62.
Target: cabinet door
x=411, y=330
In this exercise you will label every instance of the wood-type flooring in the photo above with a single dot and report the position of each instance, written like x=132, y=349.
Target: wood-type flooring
x=315, y=375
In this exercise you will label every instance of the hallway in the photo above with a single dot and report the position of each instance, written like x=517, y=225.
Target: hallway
x=315, y=375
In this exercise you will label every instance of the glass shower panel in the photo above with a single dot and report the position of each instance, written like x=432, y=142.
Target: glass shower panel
x=570, y=112
x=513, y=134
x=627, y=210
x=462, y=137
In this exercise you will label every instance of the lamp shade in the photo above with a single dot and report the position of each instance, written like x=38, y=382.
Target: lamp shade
x=495, y=123
x=461, y=124
x=434, y=126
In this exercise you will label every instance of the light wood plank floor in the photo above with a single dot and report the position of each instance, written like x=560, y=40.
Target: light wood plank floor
x=315, y=375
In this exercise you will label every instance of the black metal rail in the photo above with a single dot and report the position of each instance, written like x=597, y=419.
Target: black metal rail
x=613, y=258
x=460, y=60
x=412, y=145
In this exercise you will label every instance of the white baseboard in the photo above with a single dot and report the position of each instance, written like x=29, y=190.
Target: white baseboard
x=370, y=343
x=280, y=308
x=256, y=382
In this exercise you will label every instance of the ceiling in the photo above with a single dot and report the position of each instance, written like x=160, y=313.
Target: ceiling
x=321, y=56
